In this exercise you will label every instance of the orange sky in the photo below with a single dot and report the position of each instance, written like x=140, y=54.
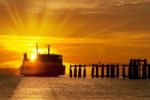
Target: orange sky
x=83, y=31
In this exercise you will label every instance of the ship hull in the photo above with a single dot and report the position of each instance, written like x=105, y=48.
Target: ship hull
x=51, y=71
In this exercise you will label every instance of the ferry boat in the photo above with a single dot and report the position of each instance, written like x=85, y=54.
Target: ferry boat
x=44, y=65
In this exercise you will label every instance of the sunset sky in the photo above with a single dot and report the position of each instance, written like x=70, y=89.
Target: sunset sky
x=83, y=31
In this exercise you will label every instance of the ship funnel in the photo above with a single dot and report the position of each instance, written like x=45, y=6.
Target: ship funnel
x=37, y=49
x=25, y=56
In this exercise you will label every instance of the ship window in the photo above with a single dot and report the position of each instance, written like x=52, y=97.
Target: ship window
x=60, y=57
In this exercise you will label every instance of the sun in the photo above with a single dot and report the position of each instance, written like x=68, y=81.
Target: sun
x=33, y=57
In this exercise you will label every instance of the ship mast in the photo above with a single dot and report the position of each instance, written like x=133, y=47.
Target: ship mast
x=36, y=48
x=48, y=49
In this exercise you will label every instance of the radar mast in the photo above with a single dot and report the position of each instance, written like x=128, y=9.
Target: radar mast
x=37, y=48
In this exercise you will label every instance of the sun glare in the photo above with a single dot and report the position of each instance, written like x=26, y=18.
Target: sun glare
x=33, y=57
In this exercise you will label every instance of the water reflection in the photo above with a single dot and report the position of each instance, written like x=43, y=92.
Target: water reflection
x=51, y=88
x=8, y=85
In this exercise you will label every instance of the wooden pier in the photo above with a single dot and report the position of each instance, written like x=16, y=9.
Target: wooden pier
x=78, y=71
x=105, y=70
x=136, y=69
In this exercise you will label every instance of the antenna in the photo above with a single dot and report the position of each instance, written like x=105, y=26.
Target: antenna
x=37, y=48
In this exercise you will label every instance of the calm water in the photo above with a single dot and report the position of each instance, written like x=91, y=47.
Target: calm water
x=64, y=88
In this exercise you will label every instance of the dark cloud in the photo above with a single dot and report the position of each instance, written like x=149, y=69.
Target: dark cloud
x=129, y=18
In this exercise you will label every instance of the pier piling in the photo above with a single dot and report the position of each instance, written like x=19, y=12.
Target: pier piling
x=130, y=69
x=112, y=70
x=102, y=71
x=144, y=76
x=148, y=71
x=79, y=71
x=84, y=72
x=75, y=71
x=92, y=73
x=70, y=74
x=107, y=70
x=117, y=71
x=123, y=72
x=97, y=71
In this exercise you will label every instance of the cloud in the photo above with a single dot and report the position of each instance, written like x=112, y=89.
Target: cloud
x=130, y=17
x=79, y=18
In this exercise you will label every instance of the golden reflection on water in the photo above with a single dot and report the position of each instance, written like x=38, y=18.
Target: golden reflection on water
x=29, y=89
x=64, y=88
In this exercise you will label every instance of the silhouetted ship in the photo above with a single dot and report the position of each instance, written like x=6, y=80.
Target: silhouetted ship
x=43, y=65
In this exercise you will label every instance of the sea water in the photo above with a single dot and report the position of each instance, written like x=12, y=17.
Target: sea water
x=65, y=88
